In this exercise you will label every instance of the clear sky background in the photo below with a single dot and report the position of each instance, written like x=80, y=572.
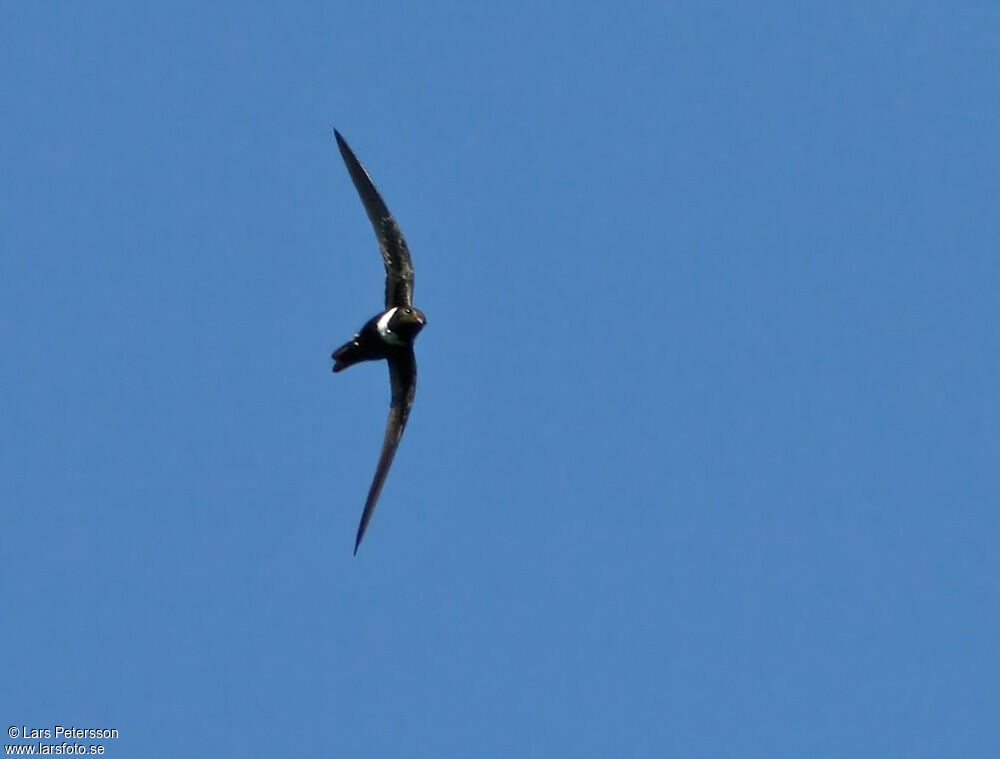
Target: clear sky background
x=703, y=460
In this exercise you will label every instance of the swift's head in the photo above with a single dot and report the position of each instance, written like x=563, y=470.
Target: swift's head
x=401, y=324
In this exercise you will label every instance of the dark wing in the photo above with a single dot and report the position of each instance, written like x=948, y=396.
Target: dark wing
x=403, y=378
x=398, y=268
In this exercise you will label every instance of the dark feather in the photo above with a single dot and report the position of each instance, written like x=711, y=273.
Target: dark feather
x=403, y=378
x=395, y=254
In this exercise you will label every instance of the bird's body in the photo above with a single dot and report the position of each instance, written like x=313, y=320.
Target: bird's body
x=381, y=337
x=388, y=335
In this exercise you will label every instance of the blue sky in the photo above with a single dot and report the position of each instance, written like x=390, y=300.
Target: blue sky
x=703, y=460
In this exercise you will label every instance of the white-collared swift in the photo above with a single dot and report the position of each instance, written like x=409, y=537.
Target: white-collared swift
x=388, y=335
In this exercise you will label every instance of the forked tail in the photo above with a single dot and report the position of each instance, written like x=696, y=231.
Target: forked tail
x=350, y=354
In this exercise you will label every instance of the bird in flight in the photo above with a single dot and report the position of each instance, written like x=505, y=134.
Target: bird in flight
x=390, y=334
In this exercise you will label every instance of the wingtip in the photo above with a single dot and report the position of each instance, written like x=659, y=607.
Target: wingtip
x=357, y=542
